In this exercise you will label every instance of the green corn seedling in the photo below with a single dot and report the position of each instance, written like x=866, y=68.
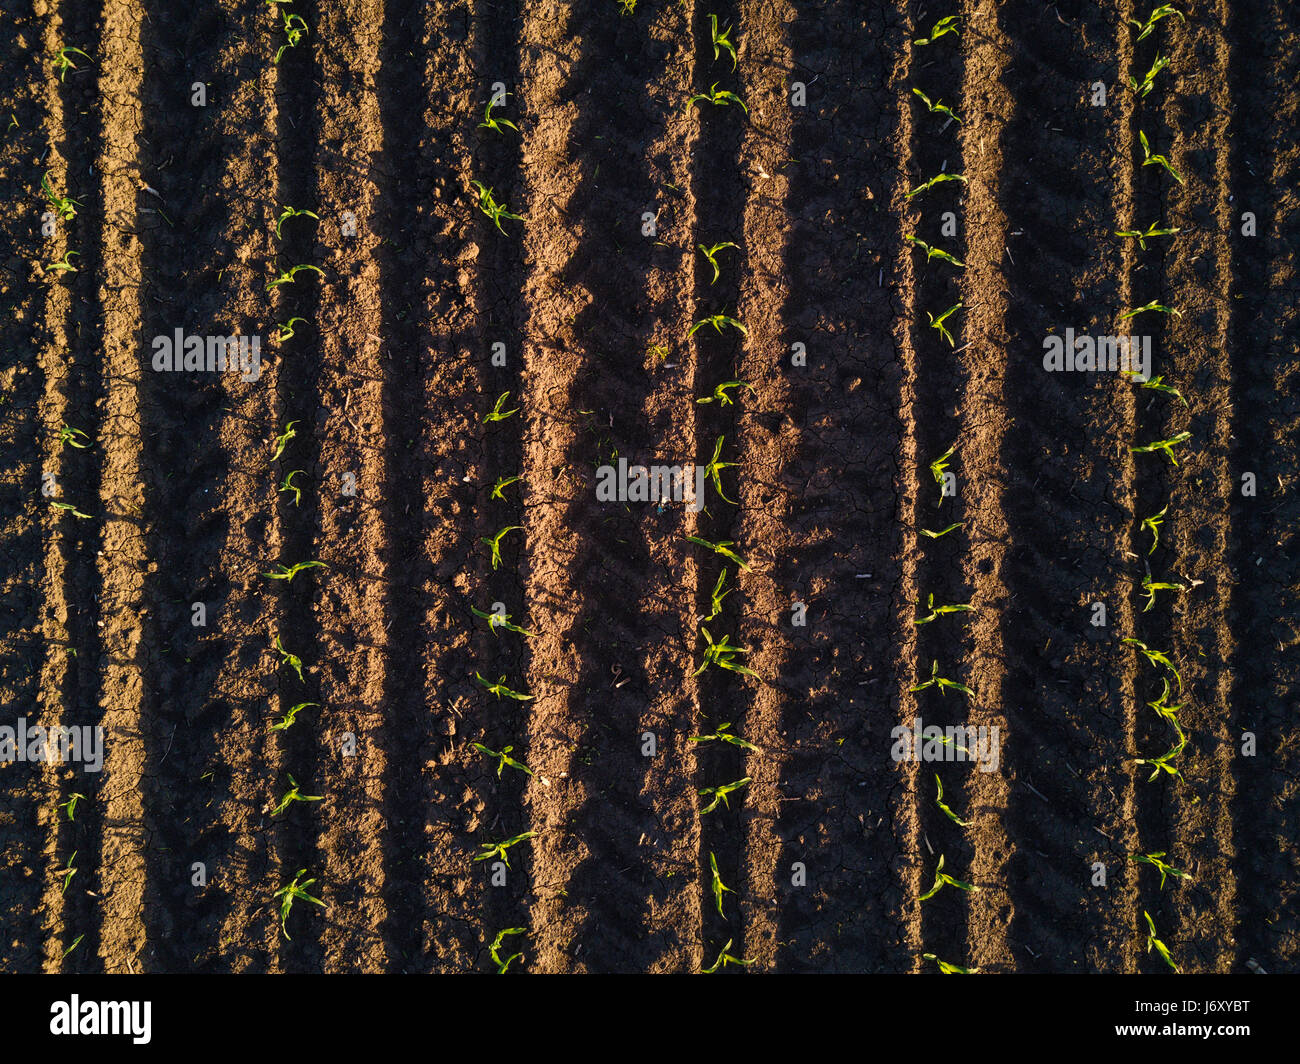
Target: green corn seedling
x=942, y=28
x=717, y=595
x=488, y=205
x=1146, y=28
x=1155, y=658
x=934, y=253
x=938, y=179
x=68, y=872
x=1160, y=947
x=503, y=759
x=496, y=123
x=499, y=688
x=1152, y=524
x=288, y=572
x=1143, y=88
x=722, y=547
x=720, y=393
x=946, y=968
x=1152, y=586
x=721, y=654
x=65, y=208
x=293, y=794
x=494, y=950
x=291, y=714
x=938, y=535
x=501, y=484
x=294, y=890
x=287, y=276
x=1155, y=384
x=1158, y=160
x=1150, y=233
x=291, y=212
x=282, y=440
x=711, y=252
x=719, y=887
x=936, y=108
x=714, y=470
x=64, y=265
x=75, y=943
x=1165, y=762
x=68, y=436
x=495, y=543
x=1164, y=446
x=1154, y=859
x=1154, y=306
x=286, y=331
x=938, y=681
x=721, y=793
x=288, y=485
x=497, y=620
x=943, y=879
x=938, y=800
x=718, y=321
x=499, y=849
x=70, y=806
x=938, y=323
x=724, y=958
x=722, y=98
x=940, y=466
x=1164, y=709
x=723, y=735
x=291, y=660
x=626, y=7
x=63, y=60
x=295, y=28
x=722, y=41
x=67, y=507
x=938, y=611
x=496, y=413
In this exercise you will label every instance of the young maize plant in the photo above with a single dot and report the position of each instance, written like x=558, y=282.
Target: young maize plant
x=721, y=654
x=722, y=547
x=75, y=943
x=488, y=205
x=938, y=535
x=499, y=620
x=495, y=543
x=67, y=507
x=291, y=660
x=722, y=41
x=63, y=60
x=495, y=124
x=499, y=688
x=494, y=950
x=938, y=681
x=938, y=108
x=720, y=393
x=68, y=872
x=723, y=735
x=1161, y=948
x=938, y=179
x=68, y=437
x=938, y=323
x=291, y=212
x=933, y=252
x=70, y=806
x=499, y=849
x=288, y=485
x=294, y=795
x=946, y=968
x=938, y=611
x=1150, y=233
x=722, y=98
x=64, y=265
x=282, y=440
x=293, y=891
x=1154, y=859
x=943, y=879
x=496, y=413
x=1152, y=586
x=287, y=276
x=285, y=331
x=942, y=28
x=1152, y=524
x=1155, y=658
x=718, y=321
x=65, y=208
x=1165, y=762
x=724, y=958
x=1165, y=710
x=711, y=252
x=503, y=759
x=717, y=595
x=938, y=800
x=1166, y=447
x=940, y=466
x=502, y=483
x=1157, y=160
x=1156, y=384
x=714, y=470
x=295, y=29
x=288, y=572
x=1143, y=88
x=1146, y=28
x=1155, y=306
x=291, y=714
x=720, y=794
x=719, y=887
x=626, y=7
